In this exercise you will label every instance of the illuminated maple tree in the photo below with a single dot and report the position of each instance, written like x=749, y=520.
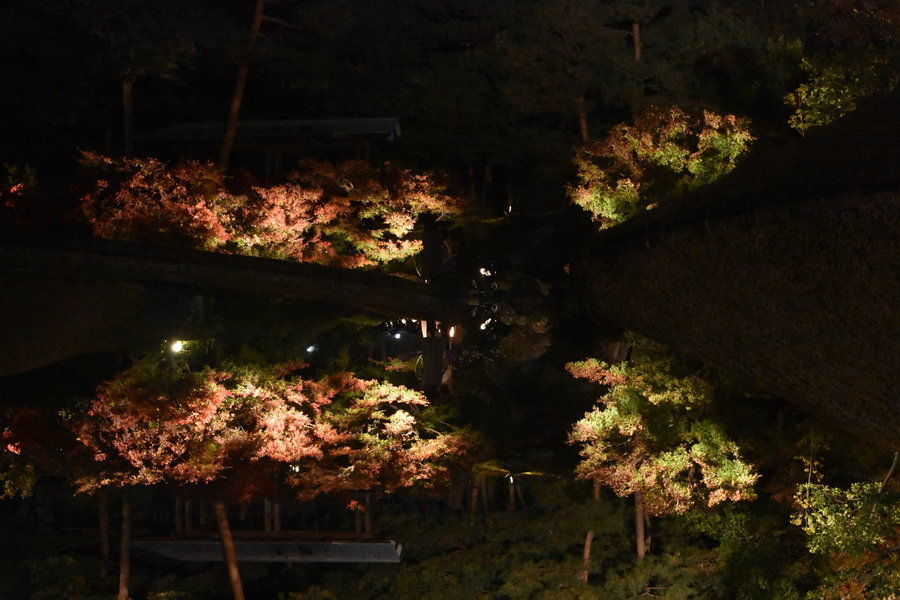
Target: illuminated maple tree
x=350, y=214
x=665, y=153
x=648, y=437
x=157, y=423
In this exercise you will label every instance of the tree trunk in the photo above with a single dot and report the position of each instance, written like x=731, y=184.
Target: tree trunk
x=586, y=556
x=103, y=518
x=636, y=40
x=639, y=525
x=234, y=576
x=124, y=552
x=237, y=95
x=127, y=115
x=582, y=119
x=596, y=492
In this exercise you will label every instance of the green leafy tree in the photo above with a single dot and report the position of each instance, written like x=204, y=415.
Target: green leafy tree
x=852, y=56
x=856, y=530
x=665, y=153
x=648, y=436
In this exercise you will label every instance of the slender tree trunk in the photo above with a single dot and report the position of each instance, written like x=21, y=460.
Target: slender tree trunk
x=596, y=492
x=586, y=556
x=124, y=551
x=582, y=119
x=889, y=473
x=636, y=39
x=512, y=494
x=473, y=503
x=639, y=525
x=368, y=516
x=103, y=519
x=237, y=95
x=127, y=115
x=234, y=576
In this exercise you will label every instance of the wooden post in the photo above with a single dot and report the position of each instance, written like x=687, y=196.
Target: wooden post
x=473, y=504
x=267, y=515
x=369, y=506
x=482, y=481
x=234, y=576
x=512, y=493
x=276, y=516
x=596, y=492
x=124, y=551
x=188, y=518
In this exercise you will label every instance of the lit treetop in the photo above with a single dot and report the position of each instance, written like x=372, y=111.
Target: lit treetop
x=250, y=426
x=665, y=153
x=350, y=214
x=647, y=434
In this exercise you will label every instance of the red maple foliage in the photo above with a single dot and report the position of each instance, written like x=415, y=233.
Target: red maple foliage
x=350, y=214
x=251, y=427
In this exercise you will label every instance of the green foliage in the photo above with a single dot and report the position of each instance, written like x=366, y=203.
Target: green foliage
x=857, y=531
x=852, y=56
x=533, y=552
x=835, y=89
x=17, y=479
x=58, y=577
x=665, y=153
x=648, y=434
x=848, y=521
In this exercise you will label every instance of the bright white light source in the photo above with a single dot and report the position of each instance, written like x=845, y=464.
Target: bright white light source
x=484, y=325
x=452, y=330
x=397, y=336
x=177, y=346
x=311, y=348
x=485, y=272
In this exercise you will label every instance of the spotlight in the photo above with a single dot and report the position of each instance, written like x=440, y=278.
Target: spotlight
x=177, y=346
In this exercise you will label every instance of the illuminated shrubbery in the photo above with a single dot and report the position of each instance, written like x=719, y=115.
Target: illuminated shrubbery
x=350, y=215
x=648, y=434
x=156, y=423
x=665, y=153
